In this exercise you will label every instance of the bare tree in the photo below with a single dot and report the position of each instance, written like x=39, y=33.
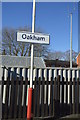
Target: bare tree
x=62, y=55
x=66, y=55
x=40, y=50
x=55, y=55
x=11, y=46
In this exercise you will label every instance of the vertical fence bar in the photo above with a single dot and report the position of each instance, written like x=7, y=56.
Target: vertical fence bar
x=45, y=76
x=11, y=75
x=55, y=93
x=4, y=91
x=62, y=89
x=2, y=84
x=40, y=73
x=55, y=77
x=35, y=98
x=18, y=75
x=60, y=73
x=58, y=87
x=1, y=74
x=73, y=95
x=38, y=97
x=24, y=78
x=54, y=98
x=49, y=97
x=34, y=75
x=25, y=98
x=77, y=91
x=69, y=87
x=67, y=92
x=71, y=92
x=58, y=96
x=42, y=98
x=23, y=93
x=15, y=98
x=40, y=76
x=6, y=98
x=64, y=75
x=28, y=76
x=46, y=110
x=62, y=105
x=73, y=76
x=45, y=88
x=18, y=72
x=11, y=99
x=20, y=98
x=4, y=88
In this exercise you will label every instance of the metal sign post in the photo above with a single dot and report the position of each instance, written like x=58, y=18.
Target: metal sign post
x=32, y=46
x=32, y=37
x=31, y=76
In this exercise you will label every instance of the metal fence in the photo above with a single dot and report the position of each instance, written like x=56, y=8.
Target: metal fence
x=61, y=85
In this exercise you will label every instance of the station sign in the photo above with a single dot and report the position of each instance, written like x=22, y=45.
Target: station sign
x=29, y=37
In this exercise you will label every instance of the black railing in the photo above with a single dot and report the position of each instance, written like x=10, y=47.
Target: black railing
x=48, y=97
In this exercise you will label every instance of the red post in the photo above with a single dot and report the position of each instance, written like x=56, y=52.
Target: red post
x=29, y=104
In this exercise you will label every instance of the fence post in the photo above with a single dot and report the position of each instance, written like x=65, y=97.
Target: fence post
x=34, y=98
x=38, y=97
x=54, y=94
x=51, y=97
x=4, y=88
x=16, y=97
x=25, y=98
x=77, y=95
x=73, y=95
x=58, y=95
x=46, y=110
x=64, y=75
x=49, y=91
x=6, y=98
x=11, y=98
x=42, y=98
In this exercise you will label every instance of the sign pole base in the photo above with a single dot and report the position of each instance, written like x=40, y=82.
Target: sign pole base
x=29, y=104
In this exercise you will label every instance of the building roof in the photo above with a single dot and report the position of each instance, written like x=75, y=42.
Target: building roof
x=58, y=63
x=16, y=61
